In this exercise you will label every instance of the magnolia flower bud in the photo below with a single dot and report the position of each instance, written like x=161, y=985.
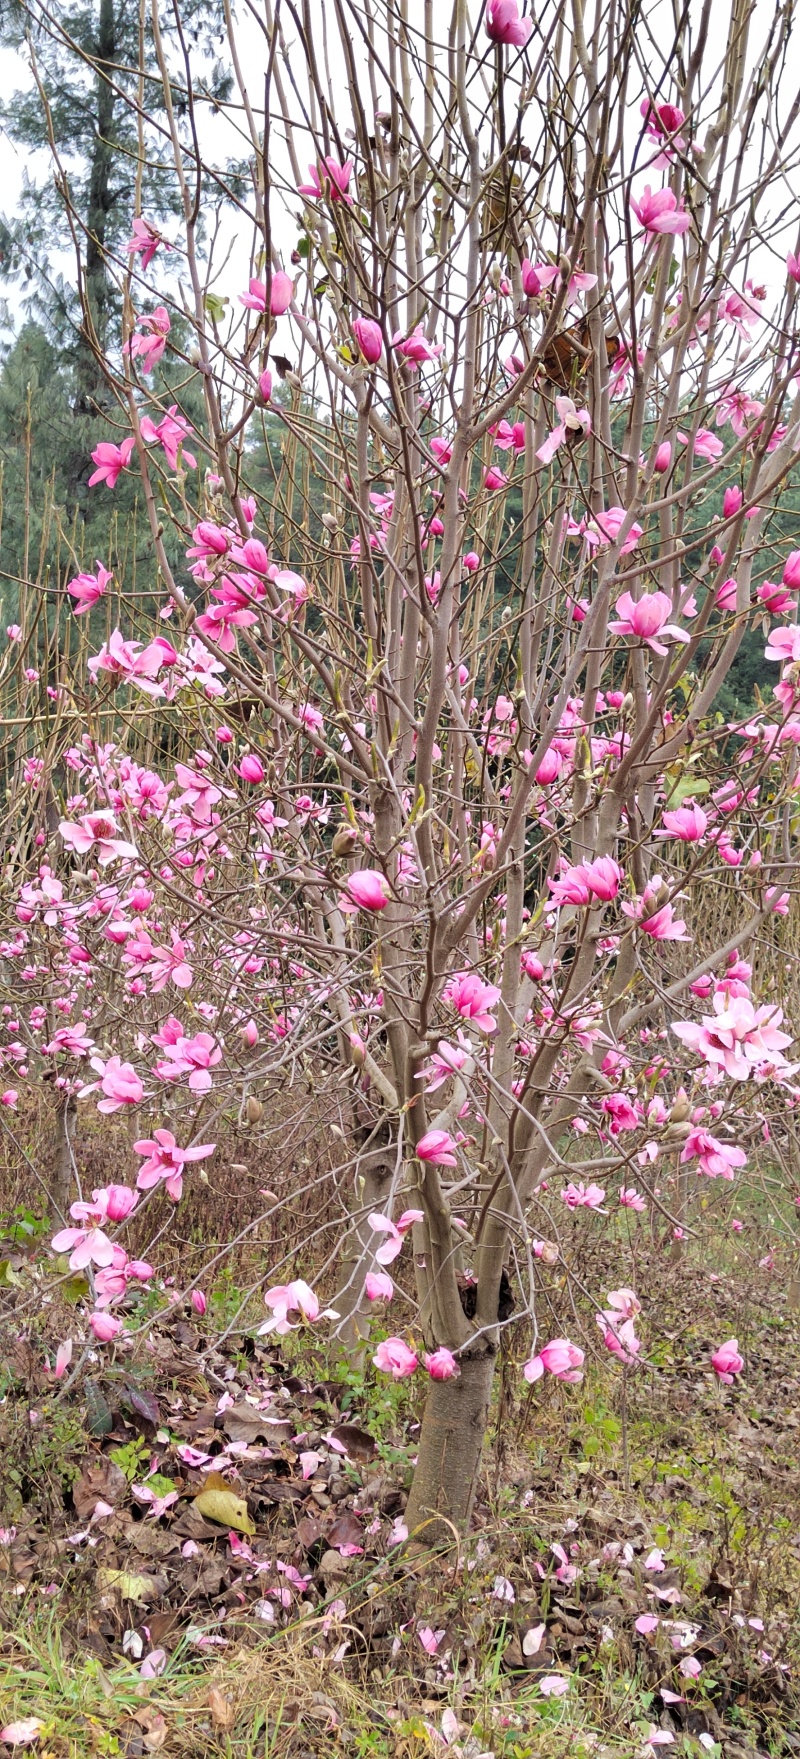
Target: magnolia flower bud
x=344, y=841
x=681, y=1109
x=254, y=1110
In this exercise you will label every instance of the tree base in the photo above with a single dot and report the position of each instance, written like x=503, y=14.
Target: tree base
x=450, y=1448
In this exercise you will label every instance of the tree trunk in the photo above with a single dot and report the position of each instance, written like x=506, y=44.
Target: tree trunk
x=61, y=1178
x=374, y=1171
x=91, y=389
x=450, y=1447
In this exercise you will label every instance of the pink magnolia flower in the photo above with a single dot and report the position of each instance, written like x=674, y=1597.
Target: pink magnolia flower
x=129, y=661
x=580, y=1196
x=726, y=1361
x=415, y=348
x=170, y=963
x=170, y=434
x=658, y=211
x=85, y=1246
x=145, y=241
x=553, y=1685
x=472, y=999
x=504, y=25
x=791, y=571
x=657, y=921
x=294, y=1297
x=559, y=1358
x=738, y=1037
x=689, y=823
x=494, y=479
x=165, y=1160
x=367, y=333
x=793, y=265
x=570, y=421
x=630, y=1198
x=717, y=1159
x=251, y=769
x=118, y=1081
x=395, y=1358
x=281, y=294
x=105, y=1326
x=441, y=1364
x=149, y=346
x=86, y=589
x=604, y=528
x=336, y=175
x=195, y=1057
x=438, y=1147
x=647, y=618
x=111, y=460
x=378, y=1286
x=97, y=832
x=367, y=890
x=198, y=1301
x=396, y=1231
x=619, y=1336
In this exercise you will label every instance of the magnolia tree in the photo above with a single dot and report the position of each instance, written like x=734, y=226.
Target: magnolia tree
x=439, y=806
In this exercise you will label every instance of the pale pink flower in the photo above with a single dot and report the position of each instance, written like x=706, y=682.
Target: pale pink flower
x=415, y=348
x=195, y=1057
x=430, y=1639
x=286, y=1298
x=570, y=421
x=146, y=241
x=738, y=1037
x=553, y=1685
x=630, y=1198
x=281, y=294
x=396, y=1231
x=395, y=1358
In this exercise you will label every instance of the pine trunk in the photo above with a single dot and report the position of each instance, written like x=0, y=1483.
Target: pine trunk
x=450, y=1448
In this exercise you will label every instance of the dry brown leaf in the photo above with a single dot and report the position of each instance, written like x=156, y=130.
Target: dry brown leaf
x=223, y=1714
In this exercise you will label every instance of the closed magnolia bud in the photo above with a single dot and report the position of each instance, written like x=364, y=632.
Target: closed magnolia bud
x=626, y=704
x=249, y=1034
x=254, y=1109
x=681, y=1108
x=330, y=522
x=198, y=1301
x=345, y=840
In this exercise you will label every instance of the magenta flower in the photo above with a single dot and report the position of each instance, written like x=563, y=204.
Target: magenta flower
x=86, y=589
x=688, y=823
x=145, y=241
x=104, y=1326
x=647, y=619
x=472, y=999
x=378, y=1286
x=504, y=25
x=118, y=1081
x=149, y=346
x=658, y=211
x=441, y=1364
x=368, y=336
x=366, y=890
x=110, y=461
x=657, y=921
x=170, y=963
x=281, y=294
x=716, y=1159
x=559, y=1358
x=97, y=832
x=170, y=434
x=619, y=1336
x=337, y=176
x=195, y=1057
x=630, y=1198
x=726, y=1361
x=395, y=1358
x=416, y=348
x=251, y=769
x=438, y=1147
x=494, y=479
x=580, y=1196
